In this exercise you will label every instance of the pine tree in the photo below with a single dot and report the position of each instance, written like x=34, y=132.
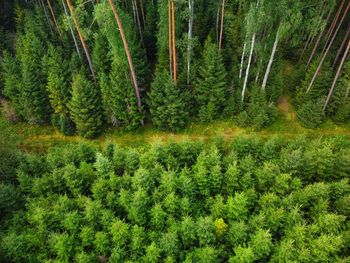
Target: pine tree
x=211, y=84
x=58, y=89
x=167, y=103
x=85, y=107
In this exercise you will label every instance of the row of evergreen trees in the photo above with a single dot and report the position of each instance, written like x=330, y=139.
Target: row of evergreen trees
x=181, y=76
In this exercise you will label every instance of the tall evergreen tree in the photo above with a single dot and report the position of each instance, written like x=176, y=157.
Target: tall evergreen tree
x=211, y=83
x=34, y=98
x=119, y=97
x=58, y=88
x=85, y=107
x=167, y=103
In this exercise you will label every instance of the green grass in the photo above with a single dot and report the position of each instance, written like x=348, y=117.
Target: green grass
x=40, y=138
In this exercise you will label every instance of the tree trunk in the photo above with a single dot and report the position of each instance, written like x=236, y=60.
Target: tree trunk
x=174, y=39
x=342, y=46
x=143, y=14
x=242, y=58
x=337, y=76
x=249, y=61
x=71, y=29
x=334, y=23
x=248, y=67
x=318, y=40
x=328, y=48
x=41, y=2
x=138, y=22
x=222, y=23
x=170, y=40
x=54, y=18
x=268, y=69
x=126, y=48
x=81, y=39
x=189, y=45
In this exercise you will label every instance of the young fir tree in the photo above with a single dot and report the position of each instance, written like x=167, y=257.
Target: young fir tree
x=85, y=107
x=339, y=107
x=119, y=97
x=210, y=88
x=58, y=89
x=167, y=103
x=11, y=77
x=34, y=98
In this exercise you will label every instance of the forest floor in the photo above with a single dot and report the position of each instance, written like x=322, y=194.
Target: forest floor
x=40, y=138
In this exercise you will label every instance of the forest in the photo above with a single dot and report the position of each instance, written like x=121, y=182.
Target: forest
x=192, y=131
x=84, y=66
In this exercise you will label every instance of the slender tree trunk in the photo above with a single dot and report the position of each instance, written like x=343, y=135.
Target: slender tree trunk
x=174, y=39
x=54, y=18
x=81, y=39
x=342, y=45
x=334, y=23
x=126, y=48
x=143, y=14
x=248, y=67
x=170, y=40
x=273, y=53
x=217, y=23
x=328, y=48
x=138, y=22
x=41, y=2
x=318, y=40
x=243, y=55
x=249, y=61
x=189, y=45
x=337, y=76
x=71, y=29
x=222, y=23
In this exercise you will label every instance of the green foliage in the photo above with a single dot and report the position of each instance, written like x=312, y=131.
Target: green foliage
x=311, y=114
x=258, y=113
x=167, y=103
x=85, y=108
x=232, y=204
x=211, y=86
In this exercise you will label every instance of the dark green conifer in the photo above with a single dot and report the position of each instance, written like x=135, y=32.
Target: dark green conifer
x=211, y=84
x=85, y=107
x=167, y=103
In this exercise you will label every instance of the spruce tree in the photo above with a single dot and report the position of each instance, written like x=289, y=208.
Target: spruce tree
x=85, y=107
x=167, y=103
x=211, y=84
x=339, y=107
x=12, y=79
x=58, y=89
x=34, y=98
x=119, y=96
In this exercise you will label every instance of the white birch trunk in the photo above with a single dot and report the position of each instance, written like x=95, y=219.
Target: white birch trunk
x=249, y=61
x=248, y=67
x=268, y=69
x=242, y=58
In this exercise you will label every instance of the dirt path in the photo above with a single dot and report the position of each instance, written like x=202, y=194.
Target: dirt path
x=286, y=108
